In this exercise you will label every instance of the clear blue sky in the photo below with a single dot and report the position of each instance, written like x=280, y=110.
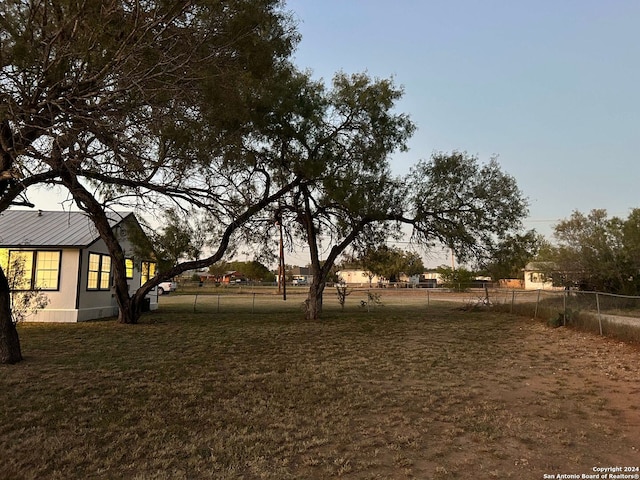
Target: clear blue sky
x=550, y=86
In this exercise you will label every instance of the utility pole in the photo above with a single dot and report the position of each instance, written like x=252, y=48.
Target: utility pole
x=282, y=281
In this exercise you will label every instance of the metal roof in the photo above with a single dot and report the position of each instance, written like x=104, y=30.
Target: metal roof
x=37, y=228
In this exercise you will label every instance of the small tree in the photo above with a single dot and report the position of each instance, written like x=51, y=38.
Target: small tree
x=508, y=258
x=254, y=271
x=390, y=262
x=342, y=291
x=23, y=302
x=182, y=237
x=458, y=279
x=218, y=269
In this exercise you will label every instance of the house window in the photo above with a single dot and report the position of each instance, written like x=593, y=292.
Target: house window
x=47, y=270
x=128, y=265
x=538, y=277
x=99, y=271
x=148, y=271
x=34, y=269
x=21, y=269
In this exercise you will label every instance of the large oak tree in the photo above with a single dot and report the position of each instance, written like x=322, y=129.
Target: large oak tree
x=339, y=141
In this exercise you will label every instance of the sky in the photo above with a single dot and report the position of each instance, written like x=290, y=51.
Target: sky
x=550, y=87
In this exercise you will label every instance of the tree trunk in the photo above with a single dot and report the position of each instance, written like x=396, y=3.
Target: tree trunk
x=313, y=304
x=132, y=310
x=9, y=342
x=128, y=312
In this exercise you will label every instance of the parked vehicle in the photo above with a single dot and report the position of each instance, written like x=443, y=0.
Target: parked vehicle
x=167, y=287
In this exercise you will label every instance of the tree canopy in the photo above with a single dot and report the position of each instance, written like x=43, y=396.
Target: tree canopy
x=459, y=279
x=509, y=256
x=132, y=97
x=390, y=262
x=596, y=252
x=455, y=200
x=252, y=270
x=182, y=236
x=143, y=105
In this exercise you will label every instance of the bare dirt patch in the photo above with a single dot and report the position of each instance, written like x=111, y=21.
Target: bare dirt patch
x=394, y=393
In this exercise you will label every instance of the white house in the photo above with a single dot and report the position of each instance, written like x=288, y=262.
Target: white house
x=65, y=258
x=358, y=277
x=536, y=276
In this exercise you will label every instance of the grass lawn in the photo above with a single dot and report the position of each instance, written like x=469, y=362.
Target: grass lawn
x=397, y=392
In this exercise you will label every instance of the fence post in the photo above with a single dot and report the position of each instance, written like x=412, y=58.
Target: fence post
x=253, y=305
x=194, y=303
x=564, y=305
x=218, y=309
x=427, y=297
x=535, y=314
x=513, y=299
x=599, y=315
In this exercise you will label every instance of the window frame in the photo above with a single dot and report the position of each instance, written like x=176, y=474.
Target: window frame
x=100, y=273
x=145, y=269
x=129, y=267
x=538, y=277
x=33, y=269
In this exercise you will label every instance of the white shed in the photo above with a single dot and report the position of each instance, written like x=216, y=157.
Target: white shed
x=65, y=258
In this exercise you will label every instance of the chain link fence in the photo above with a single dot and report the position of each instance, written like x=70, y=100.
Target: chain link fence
x=268, y=300
x=604, y=313
x=601, y=313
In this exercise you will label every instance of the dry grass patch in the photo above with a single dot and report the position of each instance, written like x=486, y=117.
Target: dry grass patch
x=388, y=394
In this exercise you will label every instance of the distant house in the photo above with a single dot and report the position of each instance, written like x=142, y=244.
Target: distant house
x=232, y=276
x=512, y=283
x=430, y=279
x=301, y=275
x=537, y=277
x=356, y=277
x=65, y=258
